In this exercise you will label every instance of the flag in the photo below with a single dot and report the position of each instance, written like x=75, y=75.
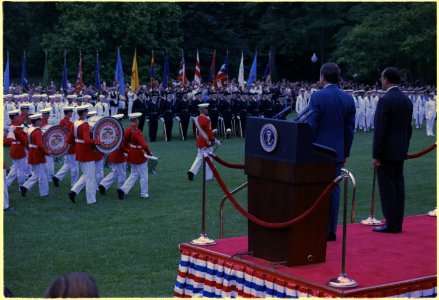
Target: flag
x=64, y=83
x=267, y=71
x=212, y=68
x=6, y=77
x=46, y=72
x=23, y=80
x=98, y=73
x=118, y=76
x=151, y=68
x=134, y=73
x=79, y=82
x=222, y=75
x=197, y=76
x=241, y=72
x=252, y=75
x=166, y=76
x=182, y=72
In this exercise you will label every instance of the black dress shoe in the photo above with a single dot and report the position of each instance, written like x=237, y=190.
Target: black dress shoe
x=101, y=189
x=331, y=237
x=120, y=194
x=55, y=181
x=190, y=175
x=72, y=196
x=9, y=209
x=385, y=229
x=23, y=191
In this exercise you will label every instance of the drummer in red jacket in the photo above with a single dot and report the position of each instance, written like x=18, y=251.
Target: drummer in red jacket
x=99, y=156
x=17, y=140
x=117, y=160
x=205, y=141
x=50, y=161
x=86, y=157
x=36, y=158
x=136, y=157
x=70, y=164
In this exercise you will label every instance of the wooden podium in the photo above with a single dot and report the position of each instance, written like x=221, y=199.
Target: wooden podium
x=286, y=174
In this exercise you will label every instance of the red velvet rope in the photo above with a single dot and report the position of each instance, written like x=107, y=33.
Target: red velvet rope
x=323, y=196
x=226, y=164
x=422, y=153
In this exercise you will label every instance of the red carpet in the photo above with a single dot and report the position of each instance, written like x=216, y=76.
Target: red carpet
x=373, y=259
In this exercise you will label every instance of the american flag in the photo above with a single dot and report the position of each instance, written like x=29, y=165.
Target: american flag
x=79, y=82
x=197, y=77
x=182, y=72
x=222, y=75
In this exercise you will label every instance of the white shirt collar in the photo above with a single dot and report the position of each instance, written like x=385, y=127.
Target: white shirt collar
x=329, y=85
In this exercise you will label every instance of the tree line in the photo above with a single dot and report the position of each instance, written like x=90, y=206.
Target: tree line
x=362, y=37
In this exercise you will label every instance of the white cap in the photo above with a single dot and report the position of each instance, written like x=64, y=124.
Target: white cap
x=86, y=97
x=72, y=97
x=203, y=105
x=35, y=116
x=91, y=113
x=67, y=108
x=81, y=107
x=134, y=115
x=14, y=112
x=58, y=95
x=43, y=95
x=52, y=97
x=119, y=116
x=9, y=95
x=45, y=110
x=101, y=96
x=24, y=95
x=36, y=96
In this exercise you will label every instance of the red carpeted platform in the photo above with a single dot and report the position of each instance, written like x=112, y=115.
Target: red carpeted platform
x=383, y=264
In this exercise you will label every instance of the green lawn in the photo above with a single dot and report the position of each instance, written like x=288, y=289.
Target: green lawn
x=130, y=246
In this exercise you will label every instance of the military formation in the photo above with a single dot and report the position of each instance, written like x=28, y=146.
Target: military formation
x=174, y=109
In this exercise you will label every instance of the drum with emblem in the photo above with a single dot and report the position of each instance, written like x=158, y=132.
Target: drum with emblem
x=107, y=131
x=55, y=140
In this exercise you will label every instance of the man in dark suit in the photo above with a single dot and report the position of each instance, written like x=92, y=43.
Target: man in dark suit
x=332, y=119
x=391, y=139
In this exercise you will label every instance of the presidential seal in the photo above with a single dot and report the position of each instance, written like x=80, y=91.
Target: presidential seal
x=268, y=137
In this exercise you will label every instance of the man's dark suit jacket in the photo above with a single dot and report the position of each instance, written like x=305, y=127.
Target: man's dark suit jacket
x=333, y=119
x=393, y=128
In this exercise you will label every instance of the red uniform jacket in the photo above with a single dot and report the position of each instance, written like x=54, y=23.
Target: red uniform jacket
x=69, y=125
x=44, y=122
x=207, y=138
x=84, y=144
x=18, y=145
x=138, y=147
x=37, y=153
x=117, y=157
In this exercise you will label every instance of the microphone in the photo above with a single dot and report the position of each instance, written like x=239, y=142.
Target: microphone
x=283, y=113
x=304, y=115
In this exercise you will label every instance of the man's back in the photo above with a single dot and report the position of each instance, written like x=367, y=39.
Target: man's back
x=393, y=128
x=333, y=119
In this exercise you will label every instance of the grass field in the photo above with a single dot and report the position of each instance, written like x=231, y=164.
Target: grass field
x=130, y=246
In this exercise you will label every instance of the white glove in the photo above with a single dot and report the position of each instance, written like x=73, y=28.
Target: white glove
x=217, y=142
x=215, y=130
x=178, y=118
x=162, y=120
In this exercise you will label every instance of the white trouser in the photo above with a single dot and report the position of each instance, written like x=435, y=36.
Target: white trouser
x=372, y=120
x=430, y=125
x=419, y=119
x=39, y=175
x=18, y=170
x=130, y=107
x=114, y=110
x=87, y=179
x=99, y=171
x=5, y=191
x=28, y=168
x=199, y=161
x=137, y=170
x=118, y=173
x=70, y=163
x=50, y=167
x=368, y=119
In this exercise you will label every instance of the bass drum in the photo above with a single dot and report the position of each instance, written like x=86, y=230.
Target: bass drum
x=55, y=140
x=107, y=131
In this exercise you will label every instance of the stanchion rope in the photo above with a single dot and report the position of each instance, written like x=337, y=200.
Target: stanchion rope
x=226, y=164
x=422, y=153
x=323, y=196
